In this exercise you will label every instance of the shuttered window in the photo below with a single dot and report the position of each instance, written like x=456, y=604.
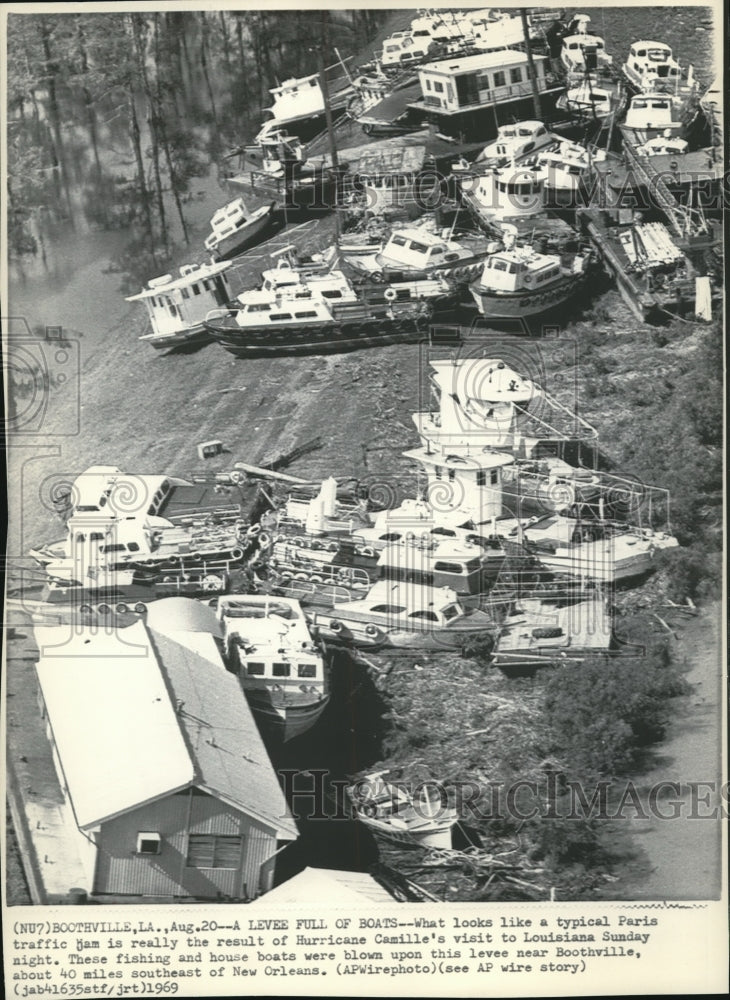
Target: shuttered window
x=212, y=851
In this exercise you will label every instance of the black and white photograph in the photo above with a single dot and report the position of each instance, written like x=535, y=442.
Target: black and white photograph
x=364, y=441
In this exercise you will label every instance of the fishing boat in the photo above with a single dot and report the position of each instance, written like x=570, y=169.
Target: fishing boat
x=465, y=561
x=281, y=668
x=593, y=549
x=417, y=254
x=390, y=811
x=583, y=50
x=539, y=633
x=594, y=98
x=564, y=169
x=234, y=228
x=162, y=527
x=316, y=313
x=520, y=282
x=401, y=615
x=653, y=273
x=177, y=306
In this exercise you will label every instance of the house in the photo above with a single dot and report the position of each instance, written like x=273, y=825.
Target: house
x=171, y=790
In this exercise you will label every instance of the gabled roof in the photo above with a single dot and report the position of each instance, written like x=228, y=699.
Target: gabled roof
x=351, y=888
x=137, y=715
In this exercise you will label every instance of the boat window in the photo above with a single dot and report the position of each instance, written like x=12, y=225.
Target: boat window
x=281, y=669
x=133, y=547
x=663, y=105
x=185, y=293
x=438, y=87
x=498, y=265
x=437, y=250
x=307, y=314
x=641, y=53
x=96, y=536
x=482, y=477
x=428, y=616
x=499, y=78
x=334, y=293
x=399, y=241
x=196, y=289
x=112, y=548
x=450, y=612
x=279, y=317
x=307, y=670
x=388, y=609
x=447, y=567
x=303, y=295
x=392, y=536
x=443, y=531
x=263, y=307
x=418, y=247
x=81, y=538
x=255, y=669
x=515, y=75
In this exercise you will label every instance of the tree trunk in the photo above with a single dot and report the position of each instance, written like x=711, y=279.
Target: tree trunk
x=163, y=135
x=144, y=193
x=204, y=65
x=54, y=113
x=153, y=121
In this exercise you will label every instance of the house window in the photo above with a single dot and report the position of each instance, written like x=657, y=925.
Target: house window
x=206, y=850
x=499, y=78
x=515, y=75
x=149, y=843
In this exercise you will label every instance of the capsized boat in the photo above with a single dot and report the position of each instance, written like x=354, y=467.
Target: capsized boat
x=520, y=282
x=177, y=306
x=402, y=615
x=281, y=668
x=389, y=810
x=234, y=228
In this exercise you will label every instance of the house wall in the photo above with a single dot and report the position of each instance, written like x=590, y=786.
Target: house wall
x=120, y=870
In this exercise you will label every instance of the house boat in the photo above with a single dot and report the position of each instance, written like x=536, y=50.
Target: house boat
x=177, y=306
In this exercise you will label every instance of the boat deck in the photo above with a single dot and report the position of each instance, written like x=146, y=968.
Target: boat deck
x=198, y=500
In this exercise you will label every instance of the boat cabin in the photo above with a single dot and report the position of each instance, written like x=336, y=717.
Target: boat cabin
x=182, y=303
x=469, y=483
x=583, y=51
x=267, y=642
x=519, y=269
x=507, y=193
x=419, y=250
x=226, y=221
x=277, y=149
x=430, y=562
x=297, y=98
x=452, y=86
x=651, y=66
x=516, y=140
x=651, y=111
x=405, y=605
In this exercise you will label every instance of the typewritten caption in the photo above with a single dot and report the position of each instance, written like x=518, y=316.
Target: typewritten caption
x=120, y=958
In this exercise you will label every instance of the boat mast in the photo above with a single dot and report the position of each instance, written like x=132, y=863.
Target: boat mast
x=531, y=66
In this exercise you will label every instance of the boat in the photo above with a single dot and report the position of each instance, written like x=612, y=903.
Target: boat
x=593, y=550
x=650, y=68
x=472, y=95
x=163, y=527
x=282, y=669
x=315, y=313
x=417, y=254
x=401, y=615
x=653, y=273
x=663, y=145
x=463, y=560
x=235, y=228
x=277, y=164
x=711, y=105
x=390, y=811
x=518, y=282
x=299, y=104
x=594, y=98
x=582, y=50
x=514, y=142
x=549, y=484
x=177, y=306
x=650, y=116
x=541, y=633
x=564, y=168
